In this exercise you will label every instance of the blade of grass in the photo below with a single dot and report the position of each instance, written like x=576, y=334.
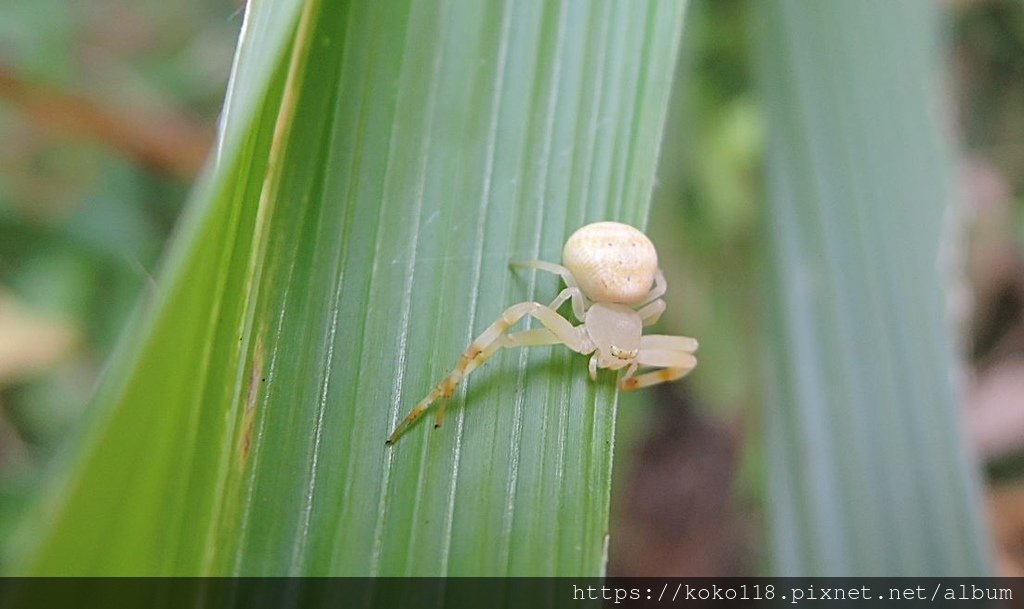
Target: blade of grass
x=869, y=474
x=352, y=238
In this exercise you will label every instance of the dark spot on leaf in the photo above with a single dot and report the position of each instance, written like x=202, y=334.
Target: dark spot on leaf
x=251, y=398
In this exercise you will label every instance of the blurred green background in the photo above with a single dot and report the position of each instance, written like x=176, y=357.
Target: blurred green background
x=107, y=112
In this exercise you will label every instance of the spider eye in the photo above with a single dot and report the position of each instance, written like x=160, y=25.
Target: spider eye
x=623, y=353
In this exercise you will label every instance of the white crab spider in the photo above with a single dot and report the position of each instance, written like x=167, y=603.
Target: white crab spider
x=612, y=278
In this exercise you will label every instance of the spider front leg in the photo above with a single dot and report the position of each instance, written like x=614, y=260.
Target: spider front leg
x=556, y=330
x=672, y=354
x=529, y=338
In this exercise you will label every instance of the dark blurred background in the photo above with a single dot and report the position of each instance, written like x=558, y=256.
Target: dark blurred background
x=108, y=109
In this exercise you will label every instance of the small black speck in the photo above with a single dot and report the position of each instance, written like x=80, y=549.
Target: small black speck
x=263, y=380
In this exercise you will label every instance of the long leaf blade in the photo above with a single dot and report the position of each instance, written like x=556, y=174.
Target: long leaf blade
x=402, y=154
x=869, y=471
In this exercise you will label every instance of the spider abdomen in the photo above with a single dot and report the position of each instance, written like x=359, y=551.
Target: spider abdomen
x=612, y=262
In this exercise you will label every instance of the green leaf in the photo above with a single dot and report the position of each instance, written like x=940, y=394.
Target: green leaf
x=380, y=165
x=869, y=473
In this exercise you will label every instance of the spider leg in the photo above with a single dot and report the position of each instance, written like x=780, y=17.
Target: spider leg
x=579, y=301
x=492, y=339
x=659, y=289
x=651, y=312
x=536, y=337
x=550, y=267
x=672, y=354
x=668, y=342
x=528, y=338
